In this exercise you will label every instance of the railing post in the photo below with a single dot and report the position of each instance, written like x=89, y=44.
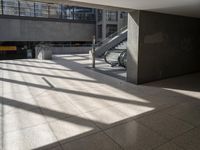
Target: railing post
x=93, y=52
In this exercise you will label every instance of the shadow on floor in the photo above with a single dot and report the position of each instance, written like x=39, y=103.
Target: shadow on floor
x=160, y=92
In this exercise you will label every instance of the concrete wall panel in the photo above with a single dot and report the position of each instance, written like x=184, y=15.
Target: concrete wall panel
x=169, y=46
x=32, y=30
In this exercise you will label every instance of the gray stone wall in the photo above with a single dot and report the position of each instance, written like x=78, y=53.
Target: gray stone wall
x=161, y=46
x=169, y=46
x=33, y=30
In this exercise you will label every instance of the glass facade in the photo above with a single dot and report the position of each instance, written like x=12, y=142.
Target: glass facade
x=99, y=15
x=45, y=10
x=41, y=10
x=111, y=15
x=123, y=15
x=26, y=9
x=110, y=29
x=11, y=8
x=1, y=9
x=54, y=11
x=83, y=13
x=99, y=30
x=67, y=12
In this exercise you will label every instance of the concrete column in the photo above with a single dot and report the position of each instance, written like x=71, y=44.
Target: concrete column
x=104, y=23
x=133, y=47
x=119, y=24
x=96, y=25
x=161, y=46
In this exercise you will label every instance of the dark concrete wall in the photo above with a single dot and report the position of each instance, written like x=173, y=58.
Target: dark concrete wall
x=33, y=30
x=169, y=45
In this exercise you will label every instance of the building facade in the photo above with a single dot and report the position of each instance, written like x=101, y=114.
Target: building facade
x=25, y=24
x=109, y=22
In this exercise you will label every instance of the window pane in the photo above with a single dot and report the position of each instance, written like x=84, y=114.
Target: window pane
x=78, y=13
x=100, y=15
x=110, y=29
x=41, y=10
x=10, y=7
x=111, y=16
x=26, y=8
x=68, y=12
x=0, y=7
x=99, y=31
x=82, y=13
x=54, y=11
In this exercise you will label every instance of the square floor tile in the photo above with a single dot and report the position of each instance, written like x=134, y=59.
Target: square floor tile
x=14, y=141
x=189, y=112
x=88, y=103
x=98, y=141
x=169, y=146
x=49, y=98
x=22, y=119
x=49, y=148
x=17, y=104
x=71, y=128
x=189, y=140
x=59, y=111
x=106, y=117
x=165, y=125
x=39, y=136
x=133, y=136
x=135, y=110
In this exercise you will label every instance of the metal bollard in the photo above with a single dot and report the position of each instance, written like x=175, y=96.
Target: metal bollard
x=93, y=52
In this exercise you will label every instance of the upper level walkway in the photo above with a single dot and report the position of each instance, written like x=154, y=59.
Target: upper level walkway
x=60, y=104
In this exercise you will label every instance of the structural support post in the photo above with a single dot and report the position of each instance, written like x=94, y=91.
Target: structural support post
x=93, y=52
x=161, y=46
x=133, y=46
x=104, y=24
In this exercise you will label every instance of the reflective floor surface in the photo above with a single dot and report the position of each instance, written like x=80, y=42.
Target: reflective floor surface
x=61, y=105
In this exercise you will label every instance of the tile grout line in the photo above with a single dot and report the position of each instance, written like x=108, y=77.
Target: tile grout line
x=48, y=123
x=113, y=140
x=2, y=112
x=167, y=143
x=171, y=140
x=100, y=131
x=60, y=144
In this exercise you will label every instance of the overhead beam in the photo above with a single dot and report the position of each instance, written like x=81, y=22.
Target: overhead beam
x=83, y=4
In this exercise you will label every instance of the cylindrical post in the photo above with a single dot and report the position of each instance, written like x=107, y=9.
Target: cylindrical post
x=93, y=51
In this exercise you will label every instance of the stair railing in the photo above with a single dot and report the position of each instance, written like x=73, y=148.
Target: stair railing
x=98, y=44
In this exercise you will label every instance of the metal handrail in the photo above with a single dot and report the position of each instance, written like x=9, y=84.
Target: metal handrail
x=111, y=36
x=66, y=45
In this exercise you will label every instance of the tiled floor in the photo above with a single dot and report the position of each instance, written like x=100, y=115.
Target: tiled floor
x=61, y=105
x=116, y=71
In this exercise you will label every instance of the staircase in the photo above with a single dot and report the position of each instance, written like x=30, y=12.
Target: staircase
x=115, y=41
x=112, y=56
x=122, y=45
